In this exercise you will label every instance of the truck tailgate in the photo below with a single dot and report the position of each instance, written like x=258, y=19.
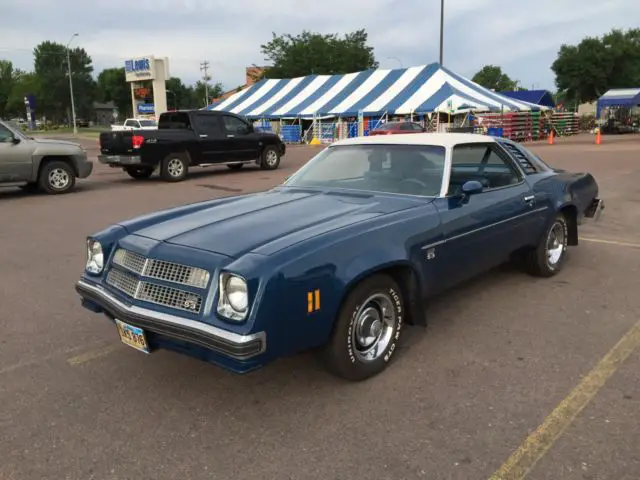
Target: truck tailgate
x=116, y=142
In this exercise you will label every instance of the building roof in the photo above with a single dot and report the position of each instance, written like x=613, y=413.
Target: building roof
x=421, y=89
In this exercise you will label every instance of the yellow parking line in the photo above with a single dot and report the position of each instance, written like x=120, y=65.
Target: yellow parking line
x=610, y=242
x=93, y=354
x=520, y=463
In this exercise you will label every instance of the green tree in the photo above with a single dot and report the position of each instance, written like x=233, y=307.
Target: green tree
x=8, y=78
x=50, y=62
x=199, y=93
x=587, y=70
x=111, y=86
x=23, y=84
x=309, y=53
x=492, y=76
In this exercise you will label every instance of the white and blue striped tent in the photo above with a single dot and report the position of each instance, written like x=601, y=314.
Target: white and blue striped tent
x=422, y=89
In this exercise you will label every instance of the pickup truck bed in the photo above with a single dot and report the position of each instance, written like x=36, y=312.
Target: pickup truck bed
x=190, y=138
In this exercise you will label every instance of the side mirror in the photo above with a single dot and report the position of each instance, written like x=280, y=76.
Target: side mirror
x=472, y=187
x=15, y=140
x=424, y=129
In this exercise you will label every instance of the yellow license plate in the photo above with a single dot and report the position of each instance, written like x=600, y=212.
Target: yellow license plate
x=132, y=336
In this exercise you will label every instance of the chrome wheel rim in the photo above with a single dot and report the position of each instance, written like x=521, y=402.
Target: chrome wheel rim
x=555, y=244
x=272, y=158
x=175, y=167
x=59, y=178
x=373, y=327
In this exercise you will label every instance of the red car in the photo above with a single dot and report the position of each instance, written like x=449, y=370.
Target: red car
x=394, y=128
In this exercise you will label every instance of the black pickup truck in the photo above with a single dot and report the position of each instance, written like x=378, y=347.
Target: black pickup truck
x=190, y=138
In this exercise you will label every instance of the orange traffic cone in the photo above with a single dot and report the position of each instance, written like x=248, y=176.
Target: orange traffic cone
x=598, y=137
x=550, y=139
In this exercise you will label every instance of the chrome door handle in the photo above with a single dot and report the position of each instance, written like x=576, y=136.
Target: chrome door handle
x=203, y=136
x=529, y=199
x=230, y=136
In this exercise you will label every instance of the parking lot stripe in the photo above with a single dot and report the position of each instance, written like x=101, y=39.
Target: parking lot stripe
x=611, y=242
x=522, y=461
x=93, y=354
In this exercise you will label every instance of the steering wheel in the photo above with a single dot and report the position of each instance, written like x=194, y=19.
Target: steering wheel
x=414, y=181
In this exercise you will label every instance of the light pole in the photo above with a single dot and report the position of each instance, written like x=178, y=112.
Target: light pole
x=441, y=29
x=73, y=105
x=397, y=59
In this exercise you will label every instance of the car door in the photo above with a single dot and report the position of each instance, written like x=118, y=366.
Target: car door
x=16, y=160
x=481, y=230
x=241, y=142
x=211, y=138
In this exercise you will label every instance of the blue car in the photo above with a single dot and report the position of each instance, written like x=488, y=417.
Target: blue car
x=338, y=258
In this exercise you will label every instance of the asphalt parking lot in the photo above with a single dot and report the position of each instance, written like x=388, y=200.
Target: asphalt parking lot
x=513, y=376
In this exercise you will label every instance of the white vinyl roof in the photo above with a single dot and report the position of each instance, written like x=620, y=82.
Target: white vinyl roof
x=447, y=140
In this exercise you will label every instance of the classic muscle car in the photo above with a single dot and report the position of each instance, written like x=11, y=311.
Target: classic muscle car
x=340, y=256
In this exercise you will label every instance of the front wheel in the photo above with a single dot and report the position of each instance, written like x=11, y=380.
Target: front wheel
x=549, y=256
x=139, y=173
x=367, y=329
x=270, y=158
x=57, y=177
x=174, y=168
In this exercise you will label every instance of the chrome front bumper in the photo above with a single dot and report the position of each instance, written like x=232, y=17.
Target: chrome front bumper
x=233, y=345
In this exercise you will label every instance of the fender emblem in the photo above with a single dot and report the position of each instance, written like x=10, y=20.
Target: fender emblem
x=431, y=253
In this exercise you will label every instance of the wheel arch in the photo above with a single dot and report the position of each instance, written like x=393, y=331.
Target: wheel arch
x=407, y=277
x=47, y=159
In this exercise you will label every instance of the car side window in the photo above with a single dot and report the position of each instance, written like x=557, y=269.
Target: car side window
x=416, y=127
x=5, y=134
x=234, y=124
x=482, y=163
x=209, y=124
x=405, y=126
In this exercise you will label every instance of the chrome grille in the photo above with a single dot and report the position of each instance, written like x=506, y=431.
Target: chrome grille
x=151, y=292
x=161, y=269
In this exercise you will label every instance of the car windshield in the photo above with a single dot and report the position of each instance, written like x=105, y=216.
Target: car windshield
x=400, y=169
x=147, y=123
x=388, y=126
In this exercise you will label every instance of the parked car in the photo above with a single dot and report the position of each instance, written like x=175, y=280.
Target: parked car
x=189, y=138
x=135, y=124
x=40, y=163
x=395, y=128
x=340, y=256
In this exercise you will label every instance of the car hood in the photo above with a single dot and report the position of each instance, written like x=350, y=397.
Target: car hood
x=51, y=141
x=268, y=222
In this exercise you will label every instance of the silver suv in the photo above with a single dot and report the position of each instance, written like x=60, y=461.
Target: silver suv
x=32, y=163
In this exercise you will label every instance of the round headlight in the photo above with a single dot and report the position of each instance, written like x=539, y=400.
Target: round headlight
x=236, y=291
x=95, y=257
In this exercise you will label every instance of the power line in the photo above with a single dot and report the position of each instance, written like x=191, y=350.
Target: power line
x=204, y=66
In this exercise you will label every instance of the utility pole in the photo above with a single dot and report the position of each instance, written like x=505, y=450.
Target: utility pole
x=441, y=29
x=204, y=66
x=73, y=105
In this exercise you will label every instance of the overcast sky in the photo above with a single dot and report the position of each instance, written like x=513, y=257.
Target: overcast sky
x=522, y=39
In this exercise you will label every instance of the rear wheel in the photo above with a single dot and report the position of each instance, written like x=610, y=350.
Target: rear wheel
x=367, y=329
x=549, y=256
x=270, y=158
x=235, y=166
x=139, y=173
x=56, y=177
x=174, y=168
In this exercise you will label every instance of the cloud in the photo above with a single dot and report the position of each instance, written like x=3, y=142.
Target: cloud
x=523, y=40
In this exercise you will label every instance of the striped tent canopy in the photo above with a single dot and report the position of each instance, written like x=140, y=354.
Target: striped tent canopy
x=422, y=89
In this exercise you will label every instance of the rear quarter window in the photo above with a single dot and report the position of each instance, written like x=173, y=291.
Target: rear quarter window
x=179, y=120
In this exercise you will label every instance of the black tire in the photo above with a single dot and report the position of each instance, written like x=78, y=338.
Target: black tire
x=56, y=177
x=343, y=355
x=174, y=168
x=235, y=166
x=539, y=261
x=139, y=173
x=270, y=158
